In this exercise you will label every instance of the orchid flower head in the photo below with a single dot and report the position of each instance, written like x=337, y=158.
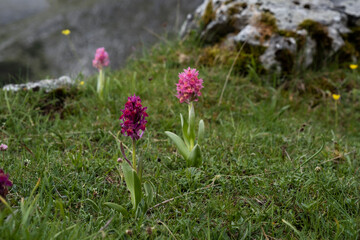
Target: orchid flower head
x=101, y=59
x=133, y=116
x=189, y=85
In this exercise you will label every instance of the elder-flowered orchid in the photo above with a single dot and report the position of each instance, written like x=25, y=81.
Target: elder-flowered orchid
x=188, y=90
x=133, y=125
x=4, y=183
x=100, y=61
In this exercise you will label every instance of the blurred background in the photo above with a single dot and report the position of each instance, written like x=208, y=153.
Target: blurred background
x=32, y=46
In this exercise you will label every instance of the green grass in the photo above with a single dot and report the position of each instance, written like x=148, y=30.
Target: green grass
x=258, y=179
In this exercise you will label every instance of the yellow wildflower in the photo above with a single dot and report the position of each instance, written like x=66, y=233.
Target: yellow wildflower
x=336, y=96
x=353, y=66
x=66, y=32
x=82, y=83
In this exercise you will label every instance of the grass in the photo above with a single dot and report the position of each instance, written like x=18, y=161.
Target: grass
x=275, y=166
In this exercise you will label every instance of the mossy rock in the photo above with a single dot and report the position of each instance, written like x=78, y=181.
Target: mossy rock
x=319, y=34
x=208, y=15
x=346, y=54
x=236, y=8
x=300, y=39
x=267, y=26
x=286, y=59
x=268, y=19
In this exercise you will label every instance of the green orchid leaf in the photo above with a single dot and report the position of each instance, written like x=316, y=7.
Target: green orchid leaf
x=191, y=128
x=133, y=183
x=184, y=126
x=117, y=207
x=183, y=150
x=142, y=209
x=201, y=132
x=195, y=159
x=149, y=192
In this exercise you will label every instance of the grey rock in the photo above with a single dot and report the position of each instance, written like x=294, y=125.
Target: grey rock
x=350, y=8
x=250, y=35
x=47, y=85
x=242, y=18
x=277, y=44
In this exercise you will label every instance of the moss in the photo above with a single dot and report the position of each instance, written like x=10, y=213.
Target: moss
x=346, y=53
x=236, y=8
x=319, y=34
x=286, y=59
x=267, y=19
x=208, y=15
x=300, y=39
x=217, y=55
x=266, y=26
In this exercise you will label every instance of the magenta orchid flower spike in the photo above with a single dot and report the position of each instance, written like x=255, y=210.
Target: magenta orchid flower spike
x=3, y=147
x=4, y=183
x=133, y=118
x=189, y=86
x=101, y=58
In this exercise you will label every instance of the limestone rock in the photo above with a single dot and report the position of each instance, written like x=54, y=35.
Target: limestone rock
x=47, y=85
x=283, y=26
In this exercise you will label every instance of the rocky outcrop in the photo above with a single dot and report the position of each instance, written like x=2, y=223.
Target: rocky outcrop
x=294, y=32
x=47, y=85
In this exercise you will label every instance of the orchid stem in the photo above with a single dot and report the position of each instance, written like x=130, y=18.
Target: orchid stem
x=134, y=154
x=101, y=82
x=190, y=127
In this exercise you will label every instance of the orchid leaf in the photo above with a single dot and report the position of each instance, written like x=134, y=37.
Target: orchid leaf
x=201, y=132
x=149, y=192
x=117, y=207
x=184, y=126
x=133, y=183
x=195, y=157
x=183, y=150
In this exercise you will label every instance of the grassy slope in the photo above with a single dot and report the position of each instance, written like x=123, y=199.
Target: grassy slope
x=256, y=140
